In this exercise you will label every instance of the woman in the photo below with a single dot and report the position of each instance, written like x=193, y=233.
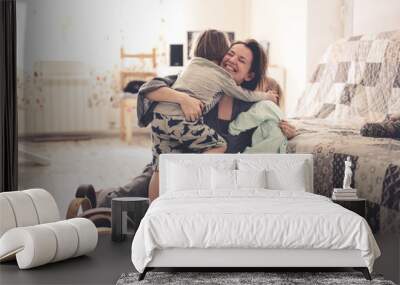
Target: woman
x=246, y=62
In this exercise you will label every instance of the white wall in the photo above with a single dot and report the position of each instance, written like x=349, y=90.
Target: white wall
x=92, y=31
x=325, y=25
x=299, y=33
x=283, y=23
x=374, y=16
x=142, y=22
x=73, y=30
x=86, y=32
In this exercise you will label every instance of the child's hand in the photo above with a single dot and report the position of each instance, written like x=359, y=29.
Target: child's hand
x=273, y=96
x=192, y=108
x=288, y=130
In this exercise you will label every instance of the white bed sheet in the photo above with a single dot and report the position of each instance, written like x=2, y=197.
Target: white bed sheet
x=252, y=218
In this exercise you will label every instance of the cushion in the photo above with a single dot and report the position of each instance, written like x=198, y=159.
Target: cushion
x=227, y=179
x=45, y=205
x=293, y=180
x=23, y=208
x=251, y=179
x=87, y=235
x=27, y=208
x=7, y=216
x=223, y=179
x=66, y=237
x=385, y=129
x=188, y=177
x=281, y=174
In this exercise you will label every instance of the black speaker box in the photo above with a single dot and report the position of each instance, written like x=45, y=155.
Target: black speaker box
x=176, y=55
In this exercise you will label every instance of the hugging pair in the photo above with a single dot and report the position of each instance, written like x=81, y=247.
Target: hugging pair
x=245, y=62
x=207, y=78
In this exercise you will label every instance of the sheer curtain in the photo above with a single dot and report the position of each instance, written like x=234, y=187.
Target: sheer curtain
x=8, y=97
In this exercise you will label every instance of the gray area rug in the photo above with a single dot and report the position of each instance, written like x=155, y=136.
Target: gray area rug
x=229, y=278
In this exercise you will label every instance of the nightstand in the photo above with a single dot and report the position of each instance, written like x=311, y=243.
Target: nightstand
x=119, y=209
x=357, y=205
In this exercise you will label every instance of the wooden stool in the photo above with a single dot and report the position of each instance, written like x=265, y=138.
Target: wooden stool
x=119, y=209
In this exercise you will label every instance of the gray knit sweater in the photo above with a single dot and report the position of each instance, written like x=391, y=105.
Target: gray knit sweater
x=208, y=82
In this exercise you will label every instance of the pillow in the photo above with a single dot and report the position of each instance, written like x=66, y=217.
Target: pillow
x=223, y=179
x=385, y=129
x=281, y=174
x=183, y=177
x=293, y=180
x=251, y=179
x=226, y=179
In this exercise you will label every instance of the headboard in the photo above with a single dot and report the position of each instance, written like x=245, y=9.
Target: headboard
x=231, y=161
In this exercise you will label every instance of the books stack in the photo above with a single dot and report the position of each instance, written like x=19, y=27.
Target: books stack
x=344, y=194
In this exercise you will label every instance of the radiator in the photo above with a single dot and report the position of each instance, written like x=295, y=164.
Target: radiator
x=59, y=100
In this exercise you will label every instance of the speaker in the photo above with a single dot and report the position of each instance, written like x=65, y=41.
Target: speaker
x=176, y=55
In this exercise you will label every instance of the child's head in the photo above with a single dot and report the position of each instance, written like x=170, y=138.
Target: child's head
x=211, y=45
x=269, y=84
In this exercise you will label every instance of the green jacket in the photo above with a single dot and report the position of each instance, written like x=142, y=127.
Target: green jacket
x=268, y=137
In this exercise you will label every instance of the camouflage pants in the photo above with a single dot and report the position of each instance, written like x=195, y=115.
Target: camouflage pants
x=173, y=134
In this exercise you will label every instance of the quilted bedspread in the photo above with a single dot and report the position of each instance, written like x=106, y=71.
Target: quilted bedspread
x=376, y=168
x=356, y=81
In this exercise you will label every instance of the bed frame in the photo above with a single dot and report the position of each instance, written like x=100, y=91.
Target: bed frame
x=251, y=258
x=243, y=259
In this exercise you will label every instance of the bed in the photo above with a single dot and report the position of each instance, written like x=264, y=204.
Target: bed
x=247, y=211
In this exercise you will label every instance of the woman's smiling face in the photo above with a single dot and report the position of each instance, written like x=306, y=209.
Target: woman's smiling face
x=237, y=61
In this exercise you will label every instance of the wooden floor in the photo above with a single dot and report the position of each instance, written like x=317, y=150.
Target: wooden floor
x=102, y=266
x=103, y=162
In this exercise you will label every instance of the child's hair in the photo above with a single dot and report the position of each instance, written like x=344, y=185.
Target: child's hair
x=211, y=45
x=269, y=84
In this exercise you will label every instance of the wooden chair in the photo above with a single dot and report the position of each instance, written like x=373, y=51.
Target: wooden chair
x=128, y=104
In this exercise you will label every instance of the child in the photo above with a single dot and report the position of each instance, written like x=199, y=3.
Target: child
x=205, y=80
x=265, y=115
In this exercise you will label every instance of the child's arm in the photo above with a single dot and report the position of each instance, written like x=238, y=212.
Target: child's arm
x=258, y=113
x=230, y=88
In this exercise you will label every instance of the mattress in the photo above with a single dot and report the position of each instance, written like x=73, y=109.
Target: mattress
x=251, y=219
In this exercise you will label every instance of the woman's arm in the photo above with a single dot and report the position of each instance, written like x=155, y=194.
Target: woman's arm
x=230, y=88
x=191, y=107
